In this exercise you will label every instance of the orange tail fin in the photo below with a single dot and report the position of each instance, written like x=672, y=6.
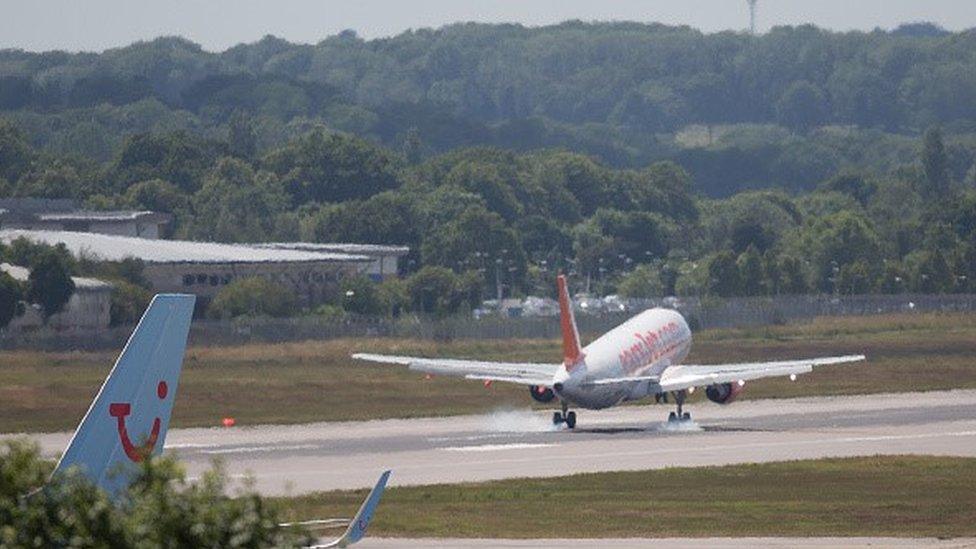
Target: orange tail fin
x=571, y=341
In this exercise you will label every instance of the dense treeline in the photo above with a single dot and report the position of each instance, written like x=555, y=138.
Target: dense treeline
x=787, y=108
x=482, y=219
x=352, y=140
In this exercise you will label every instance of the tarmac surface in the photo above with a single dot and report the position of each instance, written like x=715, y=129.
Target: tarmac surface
x=295, y=459
x=685, y=543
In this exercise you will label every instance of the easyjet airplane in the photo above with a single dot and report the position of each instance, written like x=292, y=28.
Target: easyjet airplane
x=639, y=358
x=129, y=417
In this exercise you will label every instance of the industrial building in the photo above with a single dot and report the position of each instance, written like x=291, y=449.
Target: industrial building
x=88, y=309
x=385, y=259
x=40, y=214
x=312, y=272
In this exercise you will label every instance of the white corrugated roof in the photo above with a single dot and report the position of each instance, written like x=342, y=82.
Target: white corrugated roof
x=87, y=215
x=116, y=248
x=340, y=247
x=22, y=273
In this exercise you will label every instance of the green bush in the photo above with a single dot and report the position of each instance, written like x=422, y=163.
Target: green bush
x=361, y=296
x=253, y=297
x=160, y=509
x=128, y=302
x=10, y=296
x=49, y=283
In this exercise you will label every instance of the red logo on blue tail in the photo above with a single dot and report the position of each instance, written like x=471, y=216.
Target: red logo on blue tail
x=121, y=410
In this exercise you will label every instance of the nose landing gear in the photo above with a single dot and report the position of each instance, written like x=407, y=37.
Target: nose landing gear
x=679, y=416
x=567, y=417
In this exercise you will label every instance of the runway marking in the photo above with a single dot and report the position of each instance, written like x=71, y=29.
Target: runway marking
x=472, y=438
x=189, y=445
x=496, y=447
x=252, y=449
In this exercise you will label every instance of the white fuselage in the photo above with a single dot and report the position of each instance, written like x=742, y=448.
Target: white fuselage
x=644, y=346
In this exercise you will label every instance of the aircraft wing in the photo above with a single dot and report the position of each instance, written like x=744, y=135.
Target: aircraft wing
x=522, y=373
x=676, y=378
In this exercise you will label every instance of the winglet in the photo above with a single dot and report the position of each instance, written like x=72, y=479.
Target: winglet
x=128, y=419
x=358, y=525
x=571, y=341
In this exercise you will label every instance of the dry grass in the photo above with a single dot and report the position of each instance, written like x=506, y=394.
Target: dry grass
x=316, y=381
x=878, y=496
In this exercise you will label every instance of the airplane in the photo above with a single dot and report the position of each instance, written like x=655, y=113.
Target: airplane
x=639, y=358
x=129, y=417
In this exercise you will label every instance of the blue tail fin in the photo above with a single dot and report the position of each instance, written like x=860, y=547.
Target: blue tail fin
x=130, y=415
x=357, y=527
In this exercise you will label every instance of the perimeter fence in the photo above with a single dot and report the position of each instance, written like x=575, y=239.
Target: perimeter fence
x=701, y=314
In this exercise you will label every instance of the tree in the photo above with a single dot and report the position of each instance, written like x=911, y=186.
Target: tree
x=802, y=106
x=854, y=278
x=639, y=236
x=242, y=141
x=665, y=188
x=387, y=218
x=49, y=283
x=723, y=275
x=930, y=272
x=751, y=275
x=852, y=184
x=253, y=296
x=837, y=240
x=935, y=164
x=178, y=157
x=236, y=204
x=432, y=290
x=792, y=278
x=477, y=239
x=360, y=295
x=128, y=302
x=324, y=167
x=10, y=296
x=156, y=195
x=15, y=153
x=643, y=282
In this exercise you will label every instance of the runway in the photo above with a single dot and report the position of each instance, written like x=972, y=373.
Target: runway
x=684, y=543
x=508, y=444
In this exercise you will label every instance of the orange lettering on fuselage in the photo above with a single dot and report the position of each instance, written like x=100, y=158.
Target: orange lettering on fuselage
x=650, y=347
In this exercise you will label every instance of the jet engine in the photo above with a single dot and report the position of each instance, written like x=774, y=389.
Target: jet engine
x=541, y=394
x=723, y=393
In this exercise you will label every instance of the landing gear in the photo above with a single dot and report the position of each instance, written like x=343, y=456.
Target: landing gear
x=679, y=416
x=567, y=417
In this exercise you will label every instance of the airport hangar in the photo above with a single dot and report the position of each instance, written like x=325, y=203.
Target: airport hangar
x=311, y=271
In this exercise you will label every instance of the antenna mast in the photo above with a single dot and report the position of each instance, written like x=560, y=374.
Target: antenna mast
x=752, y=16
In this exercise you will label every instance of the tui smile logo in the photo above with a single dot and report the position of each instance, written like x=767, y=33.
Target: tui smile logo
x=121, y=410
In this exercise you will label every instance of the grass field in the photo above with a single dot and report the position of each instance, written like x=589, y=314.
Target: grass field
x=316, y=381
x=878, y=496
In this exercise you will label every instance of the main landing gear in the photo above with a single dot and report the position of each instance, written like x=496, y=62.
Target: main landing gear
x=567, y=417
x=678, y=416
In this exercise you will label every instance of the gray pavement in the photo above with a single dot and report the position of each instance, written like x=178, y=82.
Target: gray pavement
x=684, y=543
x=506, y=444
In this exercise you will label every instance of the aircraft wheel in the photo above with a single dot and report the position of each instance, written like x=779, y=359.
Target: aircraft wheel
x=672, y=417
x=686, y=417
x=557, y=418
x=571, y=420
